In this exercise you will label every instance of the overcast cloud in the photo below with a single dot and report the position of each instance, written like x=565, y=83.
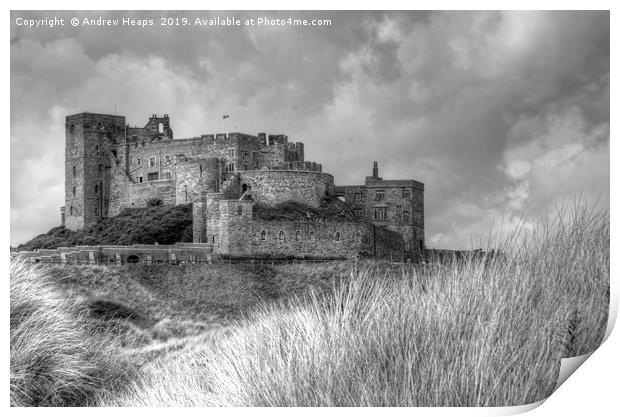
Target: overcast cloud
x=498, y=113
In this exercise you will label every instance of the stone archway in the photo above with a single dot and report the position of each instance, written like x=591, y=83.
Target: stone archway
x=133, y=259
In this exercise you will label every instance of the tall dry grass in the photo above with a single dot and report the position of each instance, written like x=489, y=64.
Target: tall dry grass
x=57, y=358
x=470, y=332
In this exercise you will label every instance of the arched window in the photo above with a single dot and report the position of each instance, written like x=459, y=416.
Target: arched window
x=281, y=235
x=297, y=235
x=71, y=210
x=74, y=171
x=160, y=128
x=73, y=191
x=263, y=235
x=311, y=236
x=337, y=236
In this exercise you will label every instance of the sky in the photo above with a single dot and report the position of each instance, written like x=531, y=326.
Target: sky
x=502, y=115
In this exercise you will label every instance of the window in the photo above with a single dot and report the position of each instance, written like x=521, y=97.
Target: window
x=359, y=196
x=263, y=235
x=167, y=159
x=72, y=128
x=71, y=210
x=96, y=189
x=152, y=176
x=160, y=128
x=245, y=154
x=380, y=195
x=337, y=237
x=311, y=236
x=100, y=169
x=230, y=167
x=96, y=148
x=96, y=211
x=152, y=161
x=231, y=152
x=358, y=212
x=73, y=191
x=167, y=175
x=380, y=213
x=239, y=210
x=140, y=179
x=297, y=235
x=143, y=144
x=406, y=194
x=245, y=167
x=406, y=215
x=74, y=171
x=281, y=236
x=139, y=161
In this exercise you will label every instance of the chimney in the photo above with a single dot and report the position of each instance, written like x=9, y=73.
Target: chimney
x=375, y=169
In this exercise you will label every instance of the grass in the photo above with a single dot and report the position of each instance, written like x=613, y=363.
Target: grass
x=157, y=224
x=57, y=357
x=470, y=331
x=331, y=209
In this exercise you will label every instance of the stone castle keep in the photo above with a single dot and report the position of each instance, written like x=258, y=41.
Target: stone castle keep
x=232, y=180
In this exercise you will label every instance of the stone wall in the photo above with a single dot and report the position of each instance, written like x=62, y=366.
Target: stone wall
x=311, y=239
x=197, y=175
x=89, y=138
x=273, y=187
x=126, y=194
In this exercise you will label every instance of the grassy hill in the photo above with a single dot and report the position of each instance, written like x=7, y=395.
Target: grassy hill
x=170, y=224
x=161, y=224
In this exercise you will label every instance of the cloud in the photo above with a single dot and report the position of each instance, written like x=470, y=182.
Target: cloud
x=496, y=112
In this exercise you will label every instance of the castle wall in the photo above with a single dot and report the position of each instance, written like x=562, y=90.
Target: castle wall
x=273, y=187
x=126, y=194
x=89, y=138
x=311, y=239
x=197, y=175
x=199, y=219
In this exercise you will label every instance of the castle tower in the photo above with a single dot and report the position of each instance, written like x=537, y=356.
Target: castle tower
x=90, y=152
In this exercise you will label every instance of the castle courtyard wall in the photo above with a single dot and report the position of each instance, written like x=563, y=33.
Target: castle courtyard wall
x=273, y=187
x=310, y=239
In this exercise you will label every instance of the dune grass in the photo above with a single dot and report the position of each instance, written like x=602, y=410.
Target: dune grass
x=470, y=332
x=57, y=357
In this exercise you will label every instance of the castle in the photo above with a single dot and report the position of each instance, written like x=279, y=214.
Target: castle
x=232, y=180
